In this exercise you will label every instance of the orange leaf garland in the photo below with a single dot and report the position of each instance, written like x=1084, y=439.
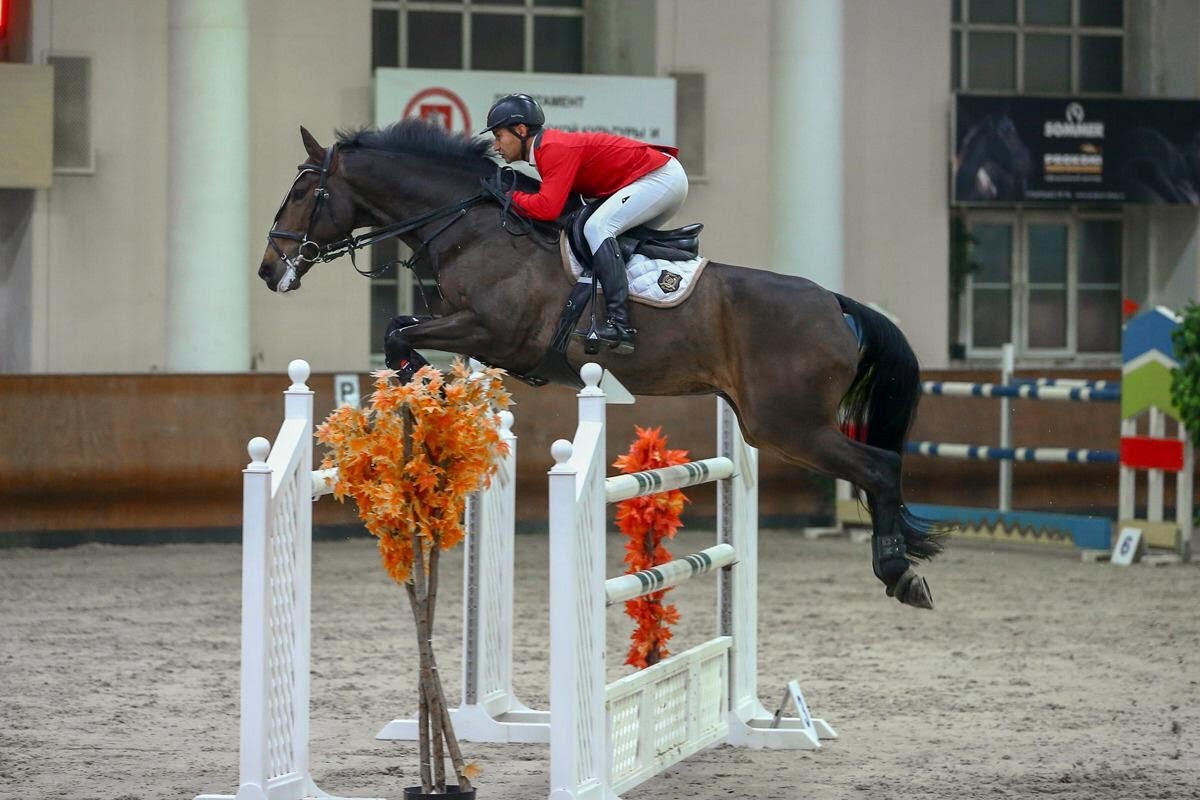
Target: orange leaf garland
x=647, y=522
x=452, y=442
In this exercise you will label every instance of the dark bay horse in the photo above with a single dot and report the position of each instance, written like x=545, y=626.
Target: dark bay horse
x=778, y=347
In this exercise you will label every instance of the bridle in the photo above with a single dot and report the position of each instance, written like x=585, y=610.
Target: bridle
x=310, y=251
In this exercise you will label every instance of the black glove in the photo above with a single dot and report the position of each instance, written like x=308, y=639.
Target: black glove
x=500, y=184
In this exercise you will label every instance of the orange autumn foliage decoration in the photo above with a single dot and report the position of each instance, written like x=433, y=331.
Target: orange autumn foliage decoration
x=647, y=522
x=417, y=482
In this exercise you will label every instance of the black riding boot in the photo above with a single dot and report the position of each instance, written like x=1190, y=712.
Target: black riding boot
x=609, y=268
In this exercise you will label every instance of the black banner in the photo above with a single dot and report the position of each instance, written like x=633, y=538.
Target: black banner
x=1011, y=149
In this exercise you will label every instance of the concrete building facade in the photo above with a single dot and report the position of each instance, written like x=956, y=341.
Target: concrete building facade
x=98, y=272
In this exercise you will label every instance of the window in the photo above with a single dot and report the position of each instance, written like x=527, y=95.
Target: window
x=72, y=114
x=1038, y=46
x=1049, y=282
x=511, y=35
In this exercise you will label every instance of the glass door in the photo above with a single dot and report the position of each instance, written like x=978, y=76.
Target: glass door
x=1048, y=282
x=1044, y=292
x=1099, y=294
x=989, y=318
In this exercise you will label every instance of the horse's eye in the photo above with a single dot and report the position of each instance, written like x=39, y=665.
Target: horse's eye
x=297, y=195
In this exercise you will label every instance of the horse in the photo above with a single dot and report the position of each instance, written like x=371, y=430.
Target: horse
x=1154, y=170
x=826, y=382
x=992, y=163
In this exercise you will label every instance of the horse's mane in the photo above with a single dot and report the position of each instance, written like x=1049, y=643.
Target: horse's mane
x=416, y=137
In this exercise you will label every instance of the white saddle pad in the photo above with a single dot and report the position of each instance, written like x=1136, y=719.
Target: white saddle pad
x=652, y=281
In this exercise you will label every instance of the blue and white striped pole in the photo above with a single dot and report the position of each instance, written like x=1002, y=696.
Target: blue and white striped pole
x=1022, y=390
x=1045, y=455
x=1072, y=383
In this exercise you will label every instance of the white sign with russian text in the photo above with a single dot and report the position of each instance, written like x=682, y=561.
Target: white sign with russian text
x=640, y=108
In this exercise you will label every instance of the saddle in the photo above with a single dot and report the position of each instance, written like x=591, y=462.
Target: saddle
x=678, y=244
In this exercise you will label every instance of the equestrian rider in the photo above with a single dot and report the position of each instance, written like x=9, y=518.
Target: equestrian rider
x=643, y=184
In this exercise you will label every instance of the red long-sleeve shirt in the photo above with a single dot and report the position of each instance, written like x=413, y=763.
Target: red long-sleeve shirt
x=591, y=164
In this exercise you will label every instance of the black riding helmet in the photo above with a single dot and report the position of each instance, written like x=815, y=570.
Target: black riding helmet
x=514, y=109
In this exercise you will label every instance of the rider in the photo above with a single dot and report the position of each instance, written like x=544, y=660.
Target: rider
x=641, y=183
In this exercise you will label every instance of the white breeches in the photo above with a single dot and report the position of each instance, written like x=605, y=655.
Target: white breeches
x=650, y=200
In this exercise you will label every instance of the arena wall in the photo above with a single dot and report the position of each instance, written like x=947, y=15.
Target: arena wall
x=156, y=457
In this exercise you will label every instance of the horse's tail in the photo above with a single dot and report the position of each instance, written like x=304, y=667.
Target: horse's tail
x=881, y=404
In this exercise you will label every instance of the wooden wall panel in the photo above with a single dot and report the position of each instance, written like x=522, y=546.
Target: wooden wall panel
x=165, y=452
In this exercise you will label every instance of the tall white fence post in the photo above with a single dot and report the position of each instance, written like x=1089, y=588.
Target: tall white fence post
x=579, y=751
x=256, y=511
x=608, y=738
x=276, y=607
x=750, y=724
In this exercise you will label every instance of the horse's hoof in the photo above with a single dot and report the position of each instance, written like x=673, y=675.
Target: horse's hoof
x=912, y=590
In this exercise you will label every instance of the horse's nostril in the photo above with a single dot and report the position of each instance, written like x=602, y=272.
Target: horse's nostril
x=264, y=271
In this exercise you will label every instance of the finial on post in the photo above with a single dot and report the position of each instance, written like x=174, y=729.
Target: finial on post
x=298, y=371
x=259, y=448
x=561, y=450
x=591, y=373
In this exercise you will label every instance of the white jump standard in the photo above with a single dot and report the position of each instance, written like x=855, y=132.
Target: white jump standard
x=278, y=490
x=490, y=710
x=606, y=739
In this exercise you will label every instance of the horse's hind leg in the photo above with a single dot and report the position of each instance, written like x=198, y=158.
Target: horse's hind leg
x=825, y=449
x=877, y=472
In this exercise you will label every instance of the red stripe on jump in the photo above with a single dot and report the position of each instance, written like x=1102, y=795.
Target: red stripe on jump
x=1146, y=452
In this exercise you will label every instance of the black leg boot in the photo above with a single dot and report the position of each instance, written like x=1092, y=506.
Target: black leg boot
x=609, y=268
x=398, y=353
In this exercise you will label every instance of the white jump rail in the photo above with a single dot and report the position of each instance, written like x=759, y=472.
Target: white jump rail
x=276, y=604
x=606, y=739
x=664, y=576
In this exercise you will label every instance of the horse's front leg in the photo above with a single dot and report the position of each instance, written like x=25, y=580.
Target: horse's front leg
x=460, y=332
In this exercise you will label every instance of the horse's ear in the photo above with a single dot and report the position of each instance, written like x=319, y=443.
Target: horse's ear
x=315, y=151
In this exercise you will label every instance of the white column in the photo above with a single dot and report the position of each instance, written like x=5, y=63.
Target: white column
x=806, y=141
x=208, y=269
